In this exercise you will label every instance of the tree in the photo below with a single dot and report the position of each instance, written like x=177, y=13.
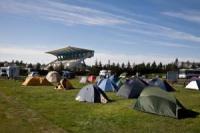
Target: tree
x=21, y=63
x=128, y=65
x=100, y=64
x=160, y=66
x=153, y=67
x=17, y=62
x=193, y=65
x=96, y=63
x=38, y=66
x=118, y=65
x=176, y=62
x=148, y=68
x=123, y=65
x=30, y=65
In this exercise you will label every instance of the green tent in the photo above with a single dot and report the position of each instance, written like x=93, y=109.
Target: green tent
x=157, y=101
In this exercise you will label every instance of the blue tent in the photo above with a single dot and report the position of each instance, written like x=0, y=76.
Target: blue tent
x=113, y=78
x=162, y=84
x=107, y=85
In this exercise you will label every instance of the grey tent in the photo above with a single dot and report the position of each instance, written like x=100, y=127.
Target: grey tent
x=163, y=84
x=92, y=93
x=157, y=101
x=131, y=89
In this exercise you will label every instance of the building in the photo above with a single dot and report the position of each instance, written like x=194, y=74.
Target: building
x=70, y=57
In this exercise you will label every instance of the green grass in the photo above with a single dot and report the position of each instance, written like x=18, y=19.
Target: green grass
x=43, y=109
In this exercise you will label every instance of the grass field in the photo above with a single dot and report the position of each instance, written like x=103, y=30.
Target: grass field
x=43, y=109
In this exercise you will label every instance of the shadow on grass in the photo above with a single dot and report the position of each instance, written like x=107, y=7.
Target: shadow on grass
x=188, y=114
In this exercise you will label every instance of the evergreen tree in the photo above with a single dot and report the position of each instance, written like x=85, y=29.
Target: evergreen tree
x=38, y=66
x=30, y=65
x=96, y=63
x=123, y=65
x=100, y=64
x=128, y=65
x=153, y=67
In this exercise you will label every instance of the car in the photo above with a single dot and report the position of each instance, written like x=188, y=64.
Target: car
x=33, y=74
x=68, y=74
x=3, y=73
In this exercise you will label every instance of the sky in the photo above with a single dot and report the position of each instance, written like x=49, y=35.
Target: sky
x=117, y=30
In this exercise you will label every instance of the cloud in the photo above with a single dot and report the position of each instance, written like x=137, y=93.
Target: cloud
x=193, y=16
x=27, y=55
x=35, y=55
x=61, y=12
x=69, y=14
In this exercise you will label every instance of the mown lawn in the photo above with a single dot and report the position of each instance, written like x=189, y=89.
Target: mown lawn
x=43, y=109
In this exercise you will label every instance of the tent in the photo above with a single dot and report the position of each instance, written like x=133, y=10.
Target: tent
x=113, y=78
x=157, y=101
x=44, y=81
x=36, y=81
x=98, y=78
x=31, y=81
x=107, y=85
x=91, y=79
x=163, y=84
x=64, y=85
x=120, y=82
x=53, y=77
x=194, y=84
x=123, y=75
x=83, y=80
x=131, y=90
x=92, y=93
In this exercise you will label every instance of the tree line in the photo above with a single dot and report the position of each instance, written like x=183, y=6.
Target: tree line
x=132, y=69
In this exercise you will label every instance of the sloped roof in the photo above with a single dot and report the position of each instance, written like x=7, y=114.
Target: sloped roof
x=69, y=50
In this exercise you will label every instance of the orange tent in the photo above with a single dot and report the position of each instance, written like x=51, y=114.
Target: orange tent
x=36, y=81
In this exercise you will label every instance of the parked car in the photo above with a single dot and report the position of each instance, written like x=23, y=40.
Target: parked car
x=3, y=73
x=33, y=74
x=68, y=74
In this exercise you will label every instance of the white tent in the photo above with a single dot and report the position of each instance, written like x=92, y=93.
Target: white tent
x=83, y=80
x=53, y=77
x=195, y=85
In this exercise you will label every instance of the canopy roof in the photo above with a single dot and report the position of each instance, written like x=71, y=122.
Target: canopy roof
x=69, y=53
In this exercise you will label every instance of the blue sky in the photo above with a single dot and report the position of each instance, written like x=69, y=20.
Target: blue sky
x=118, y=30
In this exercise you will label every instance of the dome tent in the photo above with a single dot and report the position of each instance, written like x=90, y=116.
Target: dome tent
x=113, y=78
x=194, y=84
x=92, y=93
x=131, y=90
x=107, y=85
x=120, y=82
x=157, y=101
x=163, y=84
x=36, y=81
x=53, y=77
x=64, y=84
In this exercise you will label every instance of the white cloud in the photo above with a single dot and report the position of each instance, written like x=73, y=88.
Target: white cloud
x=69, y=14
x=61, y=12
x=27, y=55
x=193, y=16
x=35, y=55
